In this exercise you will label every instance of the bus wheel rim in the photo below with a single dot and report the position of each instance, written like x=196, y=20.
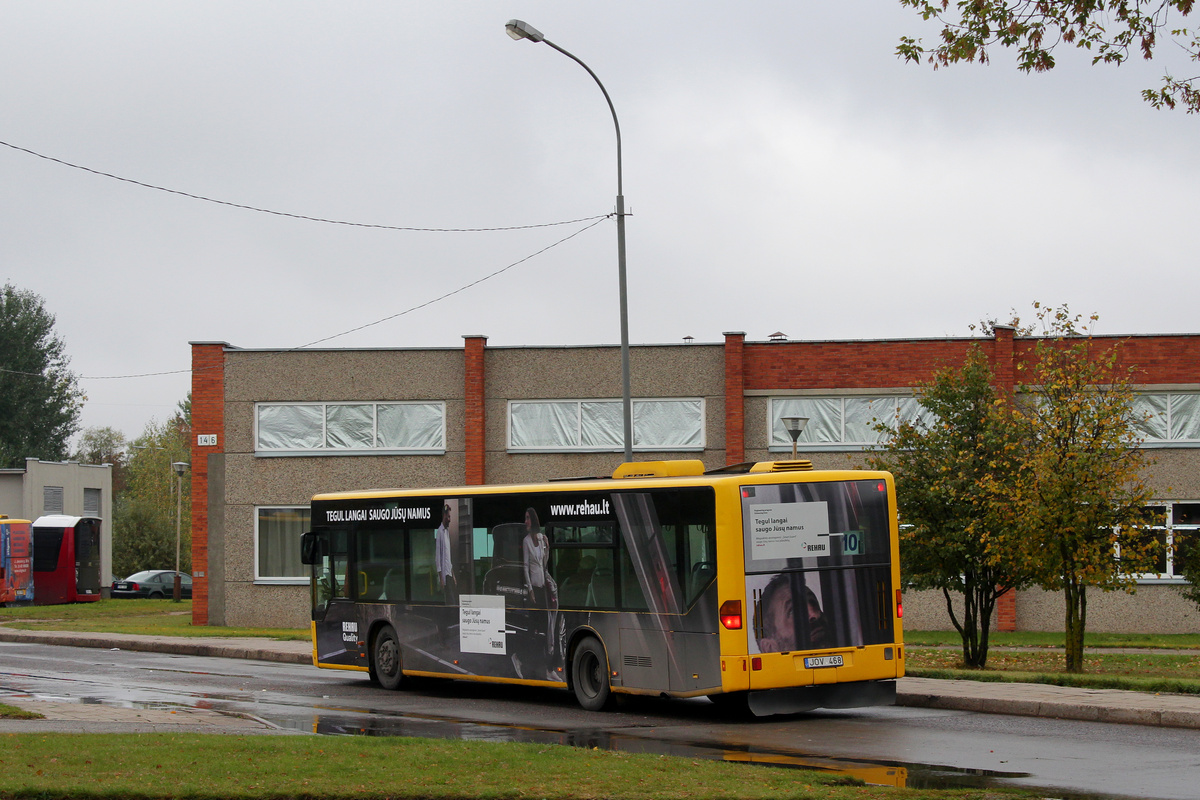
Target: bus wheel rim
x=590, y=676
x=387, y=656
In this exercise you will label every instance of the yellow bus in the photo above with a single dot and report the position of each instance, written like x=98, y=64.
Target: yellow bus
x=771, y=585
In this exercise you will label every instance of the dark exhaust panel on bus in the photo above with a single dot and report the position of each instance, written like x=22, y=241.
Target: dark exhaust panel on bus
x=832, y=695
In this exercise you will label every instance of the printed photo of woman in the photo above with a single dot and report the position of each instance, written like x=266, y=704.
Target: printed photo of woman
x=540, y=587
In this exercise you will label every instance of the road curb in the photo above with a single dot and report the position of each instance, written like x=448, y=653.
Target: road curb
x=176, y=646
x=1037, y=700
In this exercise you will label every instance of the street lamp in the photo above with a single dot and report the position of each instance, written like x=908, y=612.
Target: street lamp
x=794, y=427
x=518, y=29
x=180, y=467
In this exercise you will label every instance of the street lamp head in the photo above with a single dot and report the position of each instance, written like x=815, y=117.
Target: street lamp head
x=794, y=426
x=180, y=467
x=519, y=29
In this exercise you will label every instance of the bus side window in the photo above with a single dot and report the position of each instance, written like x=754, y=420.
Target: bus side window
x=481, y=543
x=700, y=559
x=332, y=578
x=424, y=585
x=573, y=570
x=601, y=590
x=564, y=567
x=632, y=596
x=381, y=565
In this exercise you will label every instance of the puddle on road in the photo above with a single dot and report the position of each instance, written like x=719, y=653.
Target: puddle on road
x=870, y=772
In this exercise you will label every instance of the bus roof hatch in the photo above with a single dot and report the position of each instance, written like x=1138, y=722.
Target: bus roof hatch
x=659, y=469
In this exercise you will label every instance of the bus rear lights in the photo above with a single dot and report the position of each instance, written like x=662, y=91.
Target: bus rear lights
x=899, y=605
x=756, y=663
x=731, y=615
x=881, y=486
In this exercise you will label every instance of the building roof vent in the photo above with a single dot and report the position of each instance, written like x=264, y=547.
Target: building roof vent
x=778, y=336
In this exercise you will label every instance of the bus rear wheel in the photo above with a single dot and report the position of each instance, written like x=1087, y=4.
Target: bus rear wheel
x=384, y=668
x=589, y=676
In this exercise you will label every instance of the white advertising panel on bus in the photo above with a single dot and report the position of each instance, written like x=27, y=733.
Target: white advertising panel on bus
x=789, y=530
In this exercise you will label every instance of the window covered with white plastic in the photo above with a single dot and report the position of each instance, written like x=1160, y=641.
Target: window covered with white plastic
x=349, y=428
x=598, y=425
x=842, y=421
x=1167, y=418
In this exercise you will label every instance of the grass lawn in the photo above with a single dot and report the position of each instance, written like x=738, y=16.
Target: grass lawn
x=137, y=616
x=939, y=655
x=199, y=767
x=12, y=712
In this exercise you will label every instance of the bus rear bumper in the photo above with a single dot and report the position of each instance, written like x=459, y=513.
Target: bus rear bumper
x=794, y=700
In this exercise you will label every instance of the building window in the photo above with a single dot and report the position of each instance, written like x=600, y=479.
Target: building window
x=598, y=425
x=277, y=531
x=91, y=502
x=1180, y=530
x=52, y=499
x=289, y=429
x=1168, y=418
x=841, y=422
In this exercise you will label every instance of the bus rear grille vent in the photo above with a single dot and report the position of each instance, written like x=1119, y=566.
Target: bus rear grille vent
x=792, y=466
x=639, y=661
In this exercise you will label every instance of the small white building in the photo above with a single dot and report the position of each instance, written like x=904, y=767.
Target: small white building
x=58, y=487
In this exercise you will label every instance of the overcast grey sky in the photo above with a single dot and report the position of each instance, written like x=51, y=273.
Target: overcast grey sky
x=785, y=171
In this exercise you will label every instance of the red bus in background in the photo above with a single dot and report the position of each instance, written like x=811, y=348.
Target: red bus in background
x=66, y=559
x=16, y=562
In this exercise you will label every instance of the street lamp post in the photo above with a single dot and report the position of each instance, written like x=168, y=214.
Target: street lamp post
x=794, y=427
x=518, y=29
x=180, y=467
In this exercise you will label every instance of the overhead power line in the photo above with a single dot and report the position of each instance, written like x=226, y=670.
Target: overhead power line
x=305, y=217
x=592, y=223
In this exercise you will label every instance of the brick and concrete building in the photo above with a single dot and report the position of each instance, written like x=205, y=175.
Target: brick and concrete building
x=274, y=427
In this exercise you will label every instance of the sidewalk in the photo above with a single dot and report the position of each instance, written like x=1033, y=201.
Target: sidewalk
x=1024, y=699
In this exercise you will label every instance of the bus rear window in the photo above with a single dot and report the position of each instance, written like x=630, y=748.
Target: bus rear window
x=47, y=544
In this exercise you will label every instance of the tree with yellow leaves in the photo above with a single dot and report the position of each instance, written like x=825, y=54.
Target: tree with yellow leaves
x=1078, y=498
x=952, y=470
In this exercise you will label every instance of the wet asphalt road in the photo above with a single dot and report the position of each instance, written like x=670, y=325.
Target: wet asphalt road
x=909, y=746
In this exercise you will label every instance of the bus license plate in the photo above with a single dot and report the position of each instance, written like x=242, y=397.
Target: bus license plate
x=817, y=662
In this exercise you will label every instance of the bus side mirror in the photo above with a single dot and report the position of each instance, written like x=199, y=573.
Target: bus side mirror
x=313, y=545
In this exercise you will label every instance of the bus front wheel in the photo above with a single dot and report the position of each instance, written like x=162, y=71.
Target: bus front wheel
x=385, y=659
x=589, y=676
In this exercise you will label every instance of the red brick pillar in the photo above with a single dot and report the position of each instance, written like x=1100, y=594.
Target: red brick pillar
x=735, y=401
x=208, y=420
x=1006, y=611
x=475, y=416
x=1003, y=366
